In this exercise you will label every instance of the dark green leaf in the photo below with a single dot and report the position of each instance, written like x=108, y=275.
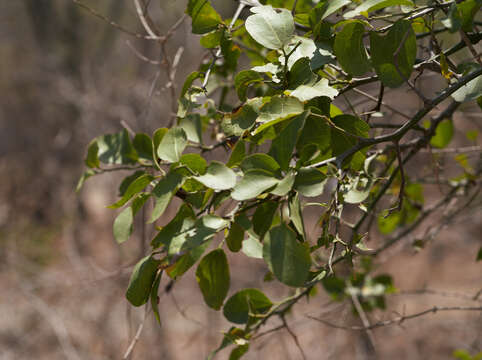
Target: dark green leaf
x=213, y=278
x=296, y=215
x=350, y=51
x=237, y=154
x=163, y=193
x=283, y=145
x=186, y=261
x=263, y=217
x=242, y=81
x=141, y=281
x=241, y=305
x=394, y=53
x=288, y=259
x=155, y=296
x=235, y=237
x=116, y=149
x=243, y=119
x=129, y=180
x=135, y=187
x=204, y=17
x=143, y=145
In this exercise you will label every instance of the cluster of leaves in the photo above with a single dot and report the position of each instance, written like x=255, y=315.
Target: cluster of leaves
x=288, y=144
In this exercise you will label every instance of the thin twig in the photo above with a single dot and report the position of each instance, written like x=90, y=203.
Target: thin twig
x=109, y=21
x=137, y=336
x=401, y=191
x=146, y=21
x=218, y=53
x=364, y=319
x=294, y=337
x=398, y=320
x=380, y=102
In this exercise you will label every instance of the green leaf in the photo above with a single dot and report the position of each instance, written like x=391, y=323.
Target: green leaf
x=270, y=28
x=387, y=224
x=244, y=303
x=277, y=110
x=253, y=183
x=155, y=296
x=192, y=126
x=316, y=131
x=92, y=160
x=143, y=145
x=195, y=162
x=479, y=255
x=87, y=174
x=189, y=80
x=373, y=5
x=235, y=237
x=243, y=119
x=191, y=235
x=242, y=81
x=263, y=217
x=443, y=134
x=461, y=16
x=238, y=352
x=142, y=278
x=310, y=182
x=135, y=187
x=204, y=17
x=296, y=215
x=342, y=141
x=218, y=177
x=212, y=39
x=288, y=259
x=163, y=193
x=311, y=91
x=283, y=145
x=184, y=219
x=123, y=225
x=116, y=149
x=285, y=185
x=237, y=154
x=356, y=190
x=470, y=91
x=385, y=58
x=252, y=248
x=213, y=278
x=129, y=180
x=260, y=162
x=186, y=261
x=332, y=6
x=172, y=145
x=350, y=51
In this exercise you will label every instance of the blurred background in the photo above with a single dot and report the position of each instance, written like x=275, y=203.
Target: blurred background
x=66, y=76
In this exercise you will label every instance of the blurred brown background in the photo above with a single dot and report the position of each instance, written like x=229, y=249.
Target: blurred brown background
x=66, y=77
